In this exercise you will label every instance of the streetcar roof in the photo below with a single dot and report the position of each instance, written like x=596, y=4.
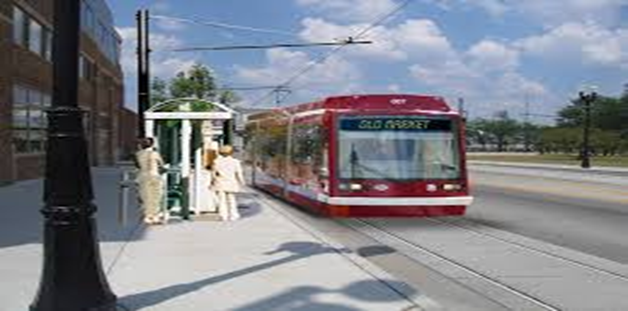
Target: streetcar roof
x=372, y=102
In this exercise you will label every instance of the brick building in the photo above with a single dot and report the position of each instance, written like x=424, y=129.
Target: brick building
x=26, y=86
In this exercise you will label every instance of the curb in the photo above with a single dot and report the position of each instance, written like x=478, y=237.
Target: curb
x=613, y=171
x=423, y=303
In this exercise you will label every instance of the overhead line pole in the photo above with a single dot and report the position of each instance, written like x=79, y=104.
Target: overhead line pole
x=143, y=69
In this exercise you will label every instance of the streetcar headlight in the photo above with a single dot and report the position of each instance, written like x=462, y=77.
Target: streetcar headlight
x=355, y=187
x=343, y=186
x=452, y=187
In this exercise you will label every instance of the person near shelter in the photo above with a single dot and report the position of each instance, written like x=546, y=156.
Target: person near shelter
x=210, y=198
x=228, y=179
x=149, y=163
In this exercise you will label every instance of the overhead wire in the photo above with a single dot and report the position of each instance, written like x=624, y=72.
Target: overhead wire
x=225, y=25
x=383, y=18
x=283, y=86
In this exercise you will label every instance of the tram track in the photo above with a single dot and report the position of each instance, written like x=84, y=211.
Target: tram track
x=466, y=264
x=582, y=273
x=552, y=255
x=483, y=276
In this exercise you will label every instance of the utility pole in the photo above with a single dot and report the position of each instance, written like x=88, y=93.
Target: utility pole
x=143, y=69
x=526, y=125
x=72, y=278
x=588, y=99
x=461, y=110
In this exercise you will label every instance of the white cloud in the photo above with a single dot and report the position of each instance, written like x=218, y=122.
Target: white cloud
x=589, y=43
x=493, y=7
x=546, y=12
x=423, y=39
x=485, y=75
x=170, y=24
x=554, y=13
x=351, y=10
x=393, y=88
x=164, y=64
x=484, y=94
x=451, y=78
x=418, y=39
x=335, y=75
x=488, y=55
x=384, y=46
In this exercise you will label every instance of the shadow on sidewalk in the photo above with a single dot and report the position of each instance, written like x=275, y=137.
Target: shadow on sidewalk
x=304, y=298
x=22, y=223
x=299, y=298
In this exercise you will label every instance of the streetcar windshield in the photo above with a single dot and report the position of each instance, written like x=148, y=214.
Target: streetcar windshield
x=397, y=147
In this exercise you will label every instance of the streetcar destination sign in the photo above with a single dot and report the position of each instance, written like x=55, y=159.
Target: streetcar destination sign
x=394, y=124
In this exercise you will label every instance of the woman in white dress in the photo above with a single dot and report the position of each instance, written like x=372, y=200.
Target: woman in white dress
x=228, y=179
x=149, y=163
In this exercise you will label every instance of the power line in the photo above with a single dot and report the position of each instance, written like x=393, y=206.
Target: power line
x=247, y=88
x=324, y=57
x=269, y=46
x=225, y=25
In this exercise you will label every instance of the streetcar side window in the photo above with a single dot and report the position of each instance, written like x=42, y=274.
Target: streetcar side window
x=271, y=148
x=307, y=156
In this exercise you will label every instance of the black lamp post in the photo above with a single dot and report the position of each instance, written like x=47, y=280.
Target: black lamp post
x=587, y=98
x=72, y=277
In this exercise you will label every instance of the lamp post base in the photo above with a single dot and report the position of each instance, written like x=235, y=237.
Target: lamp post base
x=72, y=278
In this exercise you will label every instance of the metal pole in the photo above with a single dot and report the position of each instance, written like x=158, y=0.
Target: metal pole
x=526, y=124
x=72, y=278
x=463, y=113
x=143, y=67
x=588, y=100
x=228, y=129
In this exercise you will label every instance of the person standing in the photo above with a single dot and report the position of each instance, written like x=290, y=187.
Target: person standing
x=228, y=179
x=149, y=163
x=209, y=201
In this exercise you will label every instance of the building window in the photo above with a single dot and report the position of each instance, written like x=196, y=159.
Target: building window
x=99, y=28
x=87, y=68
x=82, y=69
x=30, y=34
x=29, y=120
x=47, y=45
x=19, y=26
x=34, y=38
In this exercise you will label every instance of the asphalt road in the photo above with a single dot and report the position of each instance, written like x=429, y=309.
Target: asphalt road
x=588, y=215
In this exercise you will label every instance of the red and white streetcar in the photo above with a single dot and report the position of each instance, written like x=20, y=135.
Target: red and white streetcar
x=363, y=156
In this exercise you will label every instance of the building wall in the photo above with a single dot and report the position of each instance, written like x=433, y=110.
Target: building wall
x=28, y=79
x=6, y=157
x=127, y=135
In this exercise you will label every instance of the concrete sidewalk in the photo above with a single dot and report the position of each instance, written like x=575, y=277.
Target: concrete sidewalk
x=265, y=261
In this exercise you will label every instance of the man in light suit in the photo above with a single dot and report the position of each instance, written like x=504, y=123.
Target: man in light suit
x=227, y=180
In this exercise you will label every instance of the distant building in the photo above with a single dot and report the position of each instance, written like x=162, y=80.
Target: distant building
x=26, y=86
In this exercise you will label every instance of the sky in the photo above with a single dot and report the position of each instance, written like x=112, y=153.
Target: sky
x=495, y=55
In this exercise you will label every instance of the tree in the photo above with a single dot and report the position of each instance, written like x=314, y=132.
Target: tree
x=159, y=91
x=559, y=139
x=607, y=113
x=197, y=82
x=228, y=97
x=503, y=129
x=529, y=134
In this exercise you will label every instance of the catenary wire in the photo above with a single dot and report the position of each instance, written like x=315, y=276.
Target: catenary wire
x=383, y=18
x=225, y=25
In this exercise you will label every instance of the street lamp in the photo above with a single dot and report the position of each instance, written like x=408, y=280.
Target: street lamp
x=587, y=97
x=72, y=278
